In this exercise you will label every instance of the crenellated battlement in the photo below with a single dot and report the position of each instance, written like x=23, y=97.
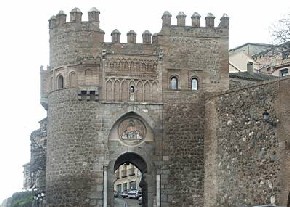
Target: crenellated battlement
x=76, y=45
x=60, y=19
x=195, y=19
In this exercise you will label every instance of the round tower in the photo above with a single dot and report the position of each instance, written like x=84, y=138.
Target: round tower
x=72, y=84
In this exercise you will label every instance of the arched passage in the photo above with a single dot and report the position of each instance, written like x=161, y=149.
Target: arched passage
x=131, y=157
x=131, y=141
x=139, y=162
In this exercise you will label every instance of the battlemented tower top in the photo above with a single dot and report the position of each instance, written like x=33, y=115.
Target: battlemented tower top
x=60, y=19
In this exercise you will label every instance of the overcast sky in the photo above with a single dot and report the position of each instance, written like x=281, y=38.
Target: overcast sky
x=24, y=47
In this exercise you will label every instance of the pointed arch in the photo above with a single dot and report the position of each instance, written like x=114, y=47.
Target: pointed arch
x=154, y=91
x=117, y=93
x=125, y=91
x=137, y=156
x=131, y=157
x=147, y=92
x=109, y=90
x=139, y=91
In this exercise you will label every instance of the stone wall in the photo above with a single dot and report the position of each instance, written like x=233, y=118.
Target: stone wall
x=182, y=59
x=245, y=152
x=183, y=144
x=38, y=140
x=73, y=148
x=80, y=145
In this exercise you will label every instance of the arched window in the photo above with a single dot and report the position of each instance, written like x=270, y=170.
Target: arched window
x=174, y=83
x=194, y=84
x=59, y=82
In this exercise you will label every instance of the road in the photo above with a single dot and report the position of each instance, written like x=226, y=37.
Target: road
x=125, y=202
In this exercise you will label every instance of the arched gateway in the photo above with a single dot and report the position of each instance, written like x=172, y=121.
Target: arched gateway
x=131, y=140
x=120, y=107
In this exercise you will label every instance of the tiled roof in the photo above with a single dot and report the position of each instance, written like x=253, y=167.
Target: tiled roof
x=252, y=76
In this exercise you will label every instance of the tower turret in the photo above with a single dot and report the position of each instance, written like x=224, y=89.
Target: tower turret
x=224, y=21
x=115, y=36
x=154, y=38
x=76, y=15
x=60, y=18
x=146, y=37
x=131, y=36
x=181, y=19
x=209, y=20
x=52, y=22
x=166, y=19
x=94, y=16
x=195, y=19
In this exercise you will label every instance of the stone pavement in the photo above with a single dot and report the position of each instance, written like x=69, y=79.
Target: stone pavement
x=120, y=203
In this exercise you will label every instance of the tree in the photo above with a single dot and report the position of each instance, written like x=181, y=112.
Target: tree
x=22, y=199
x=281, y=35
x=281, y=30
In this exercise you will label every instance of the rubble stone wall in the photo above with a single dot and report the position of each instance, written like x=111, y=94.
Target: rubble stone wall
x=248, y=153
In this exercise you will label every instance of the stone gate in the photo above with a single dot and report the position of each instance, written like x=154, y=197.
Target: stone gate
x=163, y=105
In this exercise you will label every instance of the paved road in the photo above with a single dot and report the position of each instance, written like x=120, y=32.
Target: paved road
x=125, y=202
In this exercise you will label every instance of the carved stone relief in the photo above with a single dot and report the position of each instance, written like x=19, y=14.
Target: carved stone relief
x=132, y=131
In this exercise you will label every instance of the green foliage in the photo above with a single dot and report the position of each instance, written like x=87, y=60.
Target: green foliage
x=22, y=199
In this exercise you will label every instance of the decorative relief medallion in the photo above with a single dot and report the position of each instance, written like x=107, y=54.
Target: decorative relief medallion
x=132, y=131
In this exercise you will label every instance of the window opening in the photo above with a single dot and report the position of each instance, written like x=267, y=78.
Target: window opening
x=60, y=82
x=284, y=72
x=174, y=83
x=194, y=84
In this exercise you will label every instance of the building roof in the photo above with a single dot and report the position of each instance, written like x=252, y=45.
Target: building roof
x=252, y=76
x=254, y=44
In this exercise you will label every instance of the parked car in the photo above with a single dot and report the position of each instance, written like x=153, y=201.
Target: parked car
x=133, y=194
x=140, y=200
x=139, y=193
x=124, y=194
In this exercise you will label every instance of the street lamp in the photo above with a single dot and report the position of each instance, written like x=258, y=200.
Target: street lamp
x=266, y=115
